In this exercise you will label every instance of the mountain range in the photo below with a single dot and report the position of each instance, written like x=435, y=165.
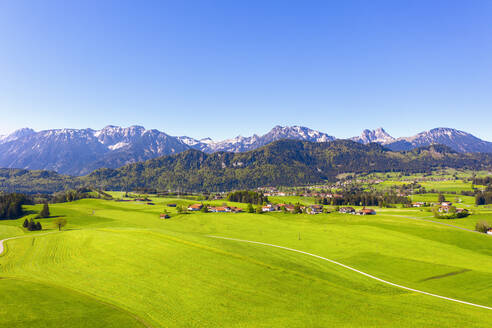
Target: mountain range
x=80, y=151
x=279, y=163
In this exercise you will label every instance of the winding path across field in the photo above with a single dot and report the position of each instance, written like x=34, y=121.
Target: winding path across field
x=355, y=270
x=19, y=237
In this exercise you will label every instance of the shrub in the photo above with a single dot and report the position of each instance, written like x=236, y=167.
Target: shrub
x=482, y=226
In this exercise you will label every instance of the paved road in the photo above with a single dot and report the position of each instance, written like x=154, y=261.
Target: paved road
x=355, y=270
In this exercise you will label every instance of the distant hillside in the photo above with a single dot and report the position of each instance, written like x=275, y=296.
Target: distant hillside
x=284, y=162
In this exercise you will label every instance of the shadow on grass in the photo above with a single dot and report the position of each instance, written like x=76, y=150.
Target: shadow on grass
x=50, y=217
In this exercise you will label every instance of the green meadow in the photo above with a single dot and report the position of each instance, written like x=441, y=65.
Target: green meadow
x=116, y=264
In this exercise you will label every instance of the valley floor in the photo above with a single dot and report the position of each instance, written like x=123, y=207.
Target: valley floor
x=118, y=265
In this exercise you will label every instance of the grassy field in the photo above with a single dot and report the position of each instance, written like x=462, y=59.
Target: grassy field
x=117, y=264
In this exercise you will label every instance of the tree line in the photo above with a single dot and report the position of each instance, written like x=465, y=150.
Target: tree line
x=364, y=198
x=246, y=196
x=11, y=206
x=483, y=198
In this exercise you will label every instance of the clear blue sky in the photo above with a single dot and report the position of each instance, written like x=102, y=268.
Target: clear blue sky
x=223, y=68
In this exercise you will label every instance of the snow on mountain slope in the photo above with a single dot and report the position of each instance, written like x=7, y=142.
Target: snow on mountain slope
x=79, y=151
x=378, y=135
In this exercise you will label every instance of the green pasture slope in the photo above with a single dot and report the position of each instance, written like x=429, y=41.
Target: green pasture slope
x=124, y=267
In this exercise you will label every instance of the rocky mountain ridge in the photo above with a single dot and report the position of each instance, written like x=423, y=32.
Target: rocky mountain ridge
x=80, y=151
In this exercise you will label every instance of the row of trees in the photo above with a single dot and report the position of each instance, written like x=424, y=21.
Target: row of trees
x=11, y=206
x=31, y=225
x=246, y=196
x=485, y=181
x=483, y=198
x=363, y=198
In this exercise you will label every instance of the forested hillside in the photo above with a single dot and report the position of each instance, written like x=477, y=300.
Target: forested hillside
x=284, y=162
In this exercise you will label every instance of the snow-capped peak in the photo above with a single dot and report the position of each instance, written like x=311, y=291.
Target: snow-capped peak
x=379, y=135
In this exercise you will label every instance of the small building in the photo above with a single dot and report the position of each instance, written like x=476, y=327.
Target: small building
x=349, y=210
x=195, y=207
x=489, y=232
x=268, y=208
x=446, y=203
x=366, y=211
x=220, y=209
x=316, y=209
x=418, y=204
x=289, y=207
x=444, y=208
x=164, y=216
x=171, y=205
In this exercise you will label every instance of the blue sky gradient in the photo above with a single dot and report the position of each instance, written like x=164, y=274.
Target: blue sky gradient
x=223, y=68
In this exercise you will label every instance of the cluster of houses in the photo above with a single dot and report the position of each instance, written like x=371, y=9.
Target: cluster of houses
x=216, y=209
x=322, y=195
x=351, y=210
x=445, y=207
x=312, y=209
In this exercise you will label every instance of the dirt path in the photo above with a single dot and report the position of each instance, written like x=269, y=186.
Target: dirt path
x=357, y=271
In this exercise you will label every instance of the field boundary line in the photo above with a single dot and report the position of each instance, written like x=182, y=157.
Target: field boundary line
x=355, y=270
x=2, y=249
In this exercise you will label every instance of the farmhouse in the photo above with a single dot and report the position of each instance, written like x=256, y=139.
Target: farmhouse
x=346, y=210
x=269, y=208
x=366, y=211
x=444, y=208
x=195, y=207
x=224, y=209
x=316, y=209
x=219, y=209
x=419, y=204
x=288, y=207
x=446, y=203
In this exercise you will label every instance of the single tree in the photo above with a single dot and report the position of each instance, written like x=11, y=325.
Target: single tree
x=31, y=225
x=204, y=209
x=38, y=226
x=60, y=223
x=45, y=212
x=259, y=209
x=250, y=208
x=25, y=224
x=441, y=198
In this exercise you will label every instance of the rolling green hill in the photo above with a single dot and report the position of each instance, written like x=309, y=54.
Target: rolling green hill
x=123, y=266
